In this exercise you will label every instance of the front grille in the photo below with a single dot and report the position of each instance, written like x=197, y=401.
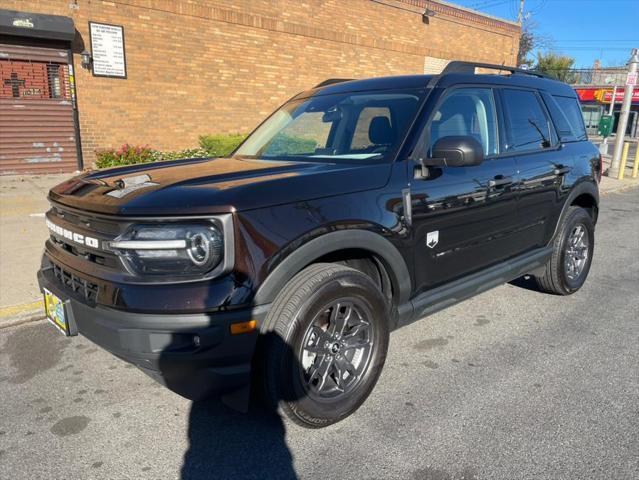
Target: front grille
x=79, y=285
x=85, y=224
x=105, y=227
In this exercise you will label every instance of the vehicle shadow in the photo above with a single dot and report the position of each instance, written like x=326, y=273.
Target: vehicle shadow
x=527, y=282
x=227, y=444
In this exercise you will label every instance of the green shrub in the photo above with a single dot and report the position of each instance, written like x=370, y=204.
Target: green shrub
x=130, y=155
x=221, y=145
x=210, y=146
x=180, y=154
x=125, y=155
x=284, y=144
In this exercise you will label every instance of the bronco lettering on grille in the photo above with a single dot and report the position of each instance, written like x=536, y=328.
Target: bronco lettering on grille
x=73, y=236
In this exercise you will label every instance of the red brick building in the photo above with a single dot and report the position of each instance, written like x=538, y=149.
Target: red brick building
x=182, y=68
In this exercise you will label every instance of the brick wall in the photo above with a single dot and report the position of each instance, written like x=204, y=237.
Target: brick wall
x=33, y=80
x=216, y=66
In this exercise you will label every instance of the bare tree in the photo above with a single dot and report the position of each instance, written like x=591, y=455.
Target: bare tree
x=529, y=41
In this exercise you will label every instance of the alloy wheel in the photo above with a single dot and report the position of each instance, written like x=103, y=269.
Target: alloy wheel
x=576, y=252
x=336, y=349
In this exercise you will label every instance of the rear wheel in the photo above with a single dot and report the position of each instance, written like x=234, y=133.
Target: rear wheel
x=568, y=268
x=326, y=345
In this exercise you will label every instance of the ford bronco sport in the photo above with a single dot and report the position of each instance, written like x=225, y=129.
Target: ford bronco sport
x=355, y=208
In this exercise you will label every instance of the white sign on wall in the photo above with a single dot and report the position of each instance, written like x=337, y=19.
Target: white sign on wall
x=107, y=50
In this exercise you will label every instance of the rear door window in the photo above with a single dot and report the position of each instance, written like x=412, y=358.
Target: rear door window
x=527, y=126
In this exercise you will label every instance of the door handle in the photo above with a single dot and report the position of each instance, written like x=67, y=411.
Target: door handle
x=561, y=170
x=499, y=181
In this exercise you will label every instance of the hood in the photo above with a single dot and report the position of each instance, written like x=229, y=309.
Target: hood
x=204, y=186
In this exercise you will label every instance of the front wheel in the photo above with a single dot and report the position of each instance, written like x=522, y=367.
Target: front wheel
x=573, y=247
x=326, y=344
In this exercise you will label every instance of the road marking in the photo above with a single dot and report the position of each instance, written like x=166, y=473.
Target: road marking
x=24, y=308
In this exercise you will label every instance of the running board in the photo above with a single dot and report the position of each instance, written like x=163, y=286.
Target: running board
x=459, y=290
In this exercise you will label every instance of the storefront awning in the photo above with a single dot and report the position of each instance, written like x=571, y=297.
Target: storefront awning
x=35, y=25
x=604, y=95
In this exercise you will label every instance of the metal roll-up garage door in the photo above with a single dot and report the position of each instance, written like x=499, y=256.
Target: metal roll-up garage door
x=37, y=126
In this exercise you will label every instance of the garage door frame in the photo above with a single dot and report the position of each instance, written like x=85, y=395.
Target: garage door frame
x=46, y=31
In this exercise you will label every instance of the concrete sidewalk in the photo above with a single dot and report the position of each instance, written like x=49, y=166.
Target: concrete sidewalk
x=23, y=201
x=23, y=233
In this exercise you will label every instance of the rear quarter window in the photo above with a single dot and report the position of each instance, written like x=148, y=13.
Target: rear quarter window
x=569, y=119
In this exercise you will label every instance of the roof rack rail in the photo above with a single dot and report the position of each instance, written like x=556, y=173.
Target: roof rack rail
x=469, y=67
x=332, y=81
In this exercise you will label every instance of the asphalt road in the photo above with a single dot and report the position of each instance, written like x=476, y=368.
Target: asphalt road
x=513, y=384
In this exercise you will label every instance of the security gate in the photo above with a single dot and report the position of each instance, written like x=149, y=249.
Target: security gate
x=37, y=122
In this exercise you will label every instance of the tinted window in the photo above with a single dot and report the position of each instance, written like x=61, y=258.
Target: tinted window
x=571, y=109
x=527, y=126
x=468, y=112
x=559, y=118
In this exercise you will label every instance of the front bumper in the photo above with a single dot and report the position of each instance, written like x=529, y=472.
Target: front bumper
x=194, y=355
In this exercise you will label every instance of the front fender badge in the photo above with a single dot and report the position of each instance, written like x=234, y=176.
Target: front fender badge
x=432, y=239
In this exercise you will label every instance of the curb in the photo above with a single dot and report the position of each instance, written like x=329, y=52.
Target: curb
x=20, y=314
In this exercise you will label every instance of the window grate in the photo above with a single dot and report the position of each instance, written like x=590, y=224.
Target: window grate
x=55, y=85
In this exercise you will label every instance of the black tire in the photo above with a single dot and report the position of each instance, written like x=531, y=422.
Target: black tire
x=557, y=277
x=297, y=311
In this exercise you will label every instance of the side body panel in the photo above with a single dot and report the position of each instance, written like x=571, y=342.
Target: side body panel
x=473, y=222
x=285, y=234
x=542, y=191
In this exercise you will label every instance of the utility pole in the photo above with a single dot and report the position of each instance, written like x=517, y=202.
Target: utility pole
x=611, y=110
x=520, y=17
x=625, y=113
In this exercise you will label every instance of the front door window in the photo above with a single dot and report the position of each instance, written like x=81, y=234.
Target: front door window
x=467, y=112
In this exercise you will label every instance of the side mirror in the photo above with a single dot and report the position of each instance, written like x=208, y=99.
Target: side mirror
x=456, y=151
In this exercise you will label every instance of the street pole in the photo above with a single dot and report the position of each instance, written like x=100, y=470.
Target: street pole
x=611, y=110
x=604, y=145
x=625, y=113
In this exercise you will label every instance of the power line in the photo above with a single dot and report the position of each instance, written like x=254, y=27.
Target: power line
x=577, y=40
x=488, y=4
x=585, y=48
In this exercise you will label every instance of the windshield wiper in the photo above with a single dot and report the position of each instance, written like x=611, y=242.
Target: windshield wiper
x=545, y=142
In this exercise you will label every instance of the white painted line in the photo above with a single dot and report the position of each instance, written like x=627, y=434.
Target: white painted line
x=36, y=214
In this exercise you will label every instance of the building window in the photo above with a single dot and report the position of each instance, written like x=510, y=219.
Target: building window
x=55, y=85
x=591, y=115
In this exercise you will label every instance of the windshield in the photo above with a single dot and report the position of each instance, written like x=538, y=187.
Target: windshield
x=350, y=127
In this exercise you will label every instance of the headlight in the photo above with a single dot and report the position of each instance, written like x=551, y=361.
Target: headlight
x=178, y=250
